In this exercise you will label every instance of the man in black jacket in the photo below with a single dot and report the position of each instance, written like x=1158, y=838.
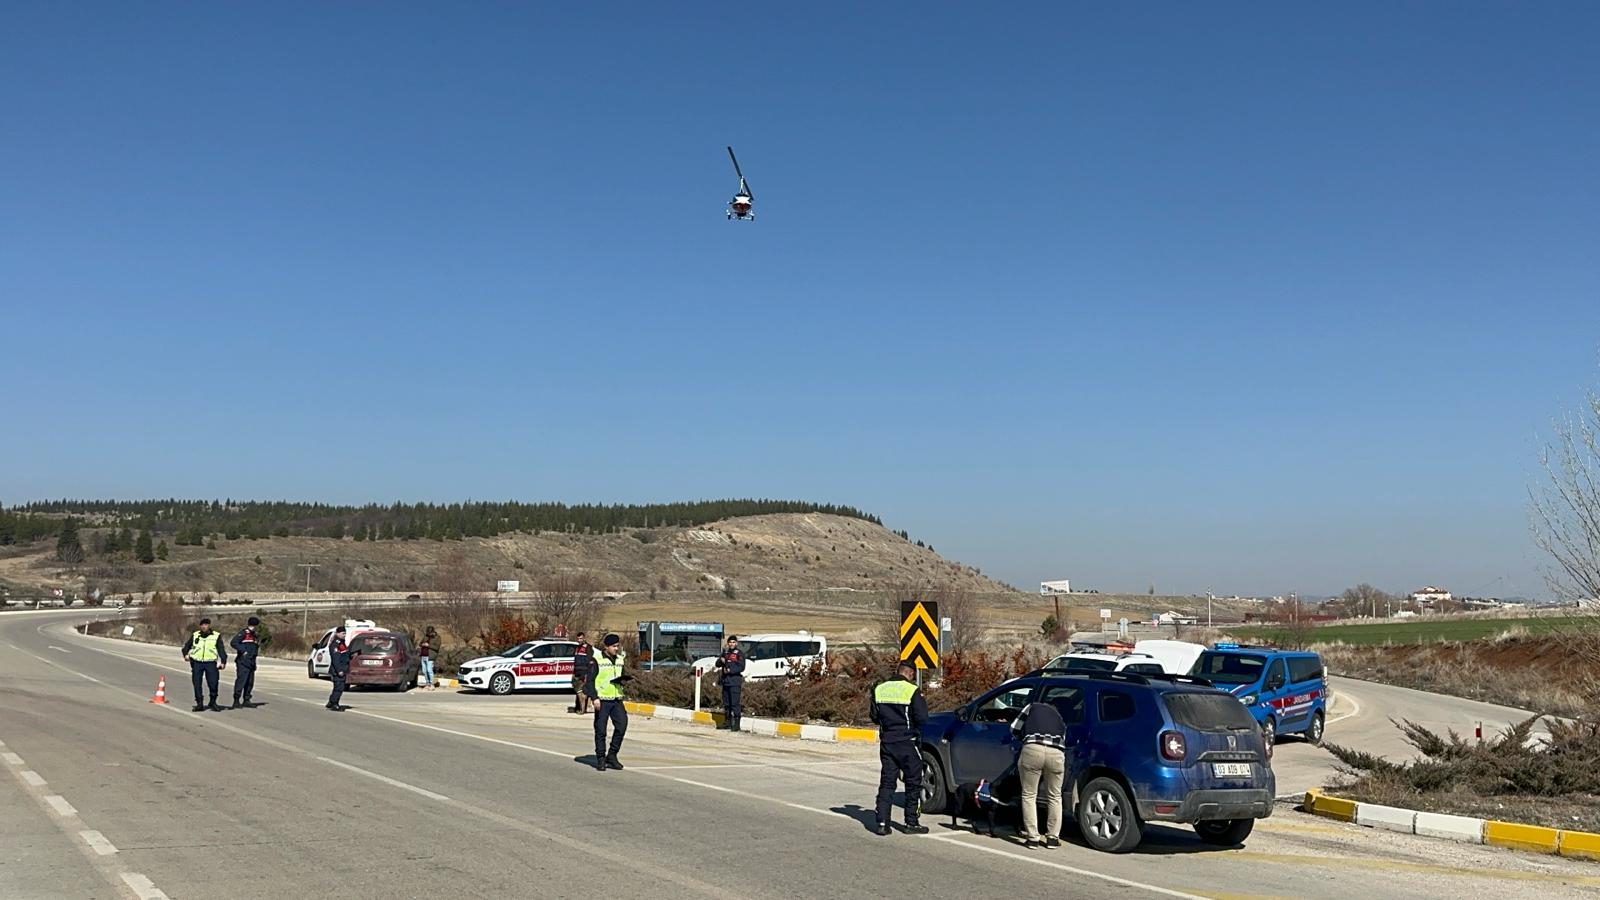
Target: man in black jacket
x=582, y=662
x=245, y=646
x=899, y=711
x=731, y=662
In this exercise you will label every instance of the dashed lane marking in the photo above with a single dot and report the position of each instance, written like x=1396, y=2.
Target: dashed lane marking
x=11, y=759
x=34, y=779
x=142, y=887
x=60, y=805
x=97, y=842
x=383, y=778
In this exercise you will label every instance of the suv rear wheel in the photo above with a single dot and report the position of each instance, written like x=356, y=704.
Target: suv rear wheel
x=501, y=684
x=1106, y=818
x=1269, y=731
x=1225, y=832
x=311, y=671
x=935, y=796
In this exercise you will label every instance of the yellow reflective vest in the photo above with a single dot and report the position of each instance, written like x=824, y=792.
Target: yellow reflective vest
x=203, y=647
x=606, y=670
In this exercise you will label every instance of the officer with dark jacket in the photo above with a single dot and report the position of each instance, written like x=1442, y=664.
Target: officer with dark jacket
x=245, y=646
x=899, y=711
x=582, y=662
x=731, y=662
x=339, y=654
x=204, y=653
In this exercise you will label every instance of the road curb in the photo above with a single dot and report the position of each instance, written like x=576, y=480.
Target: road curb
x=1463, y=829
x=759, y=726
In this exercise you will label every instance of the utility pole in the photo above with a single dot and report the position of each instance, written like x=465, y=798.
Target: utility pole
x=305, y=618
x=1209, y=598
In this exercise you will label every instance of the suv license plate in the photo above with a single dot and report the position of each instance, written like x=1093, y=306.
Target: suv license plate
x=1231, y=770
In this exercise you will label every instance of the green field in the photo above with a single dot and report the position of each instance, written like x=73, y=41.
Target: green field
x=1418, y=631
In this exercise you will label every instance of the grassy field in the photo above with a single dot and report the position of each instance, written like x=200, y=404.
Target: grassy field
x=1422, y=631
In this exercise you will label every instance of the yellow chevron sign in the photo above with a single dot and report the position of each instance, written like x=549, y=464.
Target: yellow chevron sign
x=919, y=633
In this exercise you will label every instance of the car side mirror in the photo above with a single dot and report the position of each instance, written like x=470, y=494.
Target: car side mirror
x=964, y=714
x=527, y=656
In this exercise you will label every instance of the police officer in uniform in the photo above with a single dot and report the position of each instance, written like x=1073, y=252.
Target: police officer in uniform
x=899, y=711
x=731, y=662
x=339, y=654
x=582, y=662
x=205, y=655
x=245, y=646
x=607, y=677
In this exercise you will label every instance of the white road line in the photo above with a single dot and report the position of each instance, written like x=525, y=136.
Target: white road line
x=142, y=887
x=955, y=839
x=97, y=842
x=1353, y=712
x=34, y=779
x=11, y=759
x=62, y=649
x=60, y=805
x=383, y=778
x=762, y=765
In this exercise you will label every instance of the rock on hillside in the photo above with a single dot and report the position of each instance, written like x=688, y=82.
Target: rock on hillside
x=811, y=551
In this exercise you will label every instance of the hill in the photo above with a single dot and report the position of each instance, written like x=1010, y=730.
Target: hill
x=811, y=551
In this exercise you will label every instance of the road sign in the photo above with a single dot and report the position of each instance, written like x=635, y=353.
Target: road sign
x=1105, y=614
x=919, y=633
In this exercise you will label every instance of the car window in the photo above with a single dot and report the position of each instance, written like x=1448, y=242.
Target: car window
x=1002, y=705
x=1305, y=668
x=1143, y=669
x=1087, y=664
x=1115, y=706
x=375, y=643
x=518, y=650
x=1208, y=711
x=1067, y=699
x=800, y=648
x=1275, y=676
x=763, y=650
x=322, y=642
x=1229, y=668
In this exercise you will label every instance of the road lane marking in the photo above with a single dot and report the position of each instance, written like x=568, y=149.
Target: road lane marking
x=956, y=840
x=97, y=842
x=62, y=649
x=34, y=779
x=60, y=805
x=756, y=765
x=383, y=778
x=1354, y=712
x=11, y=759
x=142, y=887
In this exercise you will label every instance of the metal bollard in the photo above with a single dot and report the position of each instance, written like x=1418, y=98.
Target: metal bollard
x=697, y=689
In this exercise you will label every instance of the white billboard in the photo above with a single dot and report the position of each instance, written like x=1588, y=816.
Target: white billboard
x=508, y=587
x=1055, y=587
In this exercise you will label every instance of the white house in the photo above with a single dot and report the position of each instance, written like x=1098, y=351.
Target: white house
x=1430, y=595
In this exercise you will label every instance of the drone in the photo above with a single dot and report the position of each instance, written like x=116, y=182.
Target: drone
x=742, y=206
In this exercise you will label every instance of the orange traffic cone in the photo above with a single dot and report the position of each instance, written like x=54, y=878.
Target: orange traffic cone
x=161, y=691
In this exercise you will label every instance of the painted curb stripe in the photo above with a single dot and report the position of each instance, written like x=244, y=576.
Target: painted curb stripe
x=1521, y=837
x=1331, y=807
x=759, y=726
x=1580, y=844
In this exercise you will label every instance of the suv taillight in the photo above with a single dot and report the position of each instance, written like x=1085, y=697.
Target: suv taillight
x=1173, y=746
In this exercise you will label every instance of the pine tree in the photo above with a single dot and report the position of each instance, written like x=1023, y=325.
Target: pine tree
x=142, y=549
x=125, y=539
x=363, y=532
x=69, y=549
x=113, y=543
x=161, y=550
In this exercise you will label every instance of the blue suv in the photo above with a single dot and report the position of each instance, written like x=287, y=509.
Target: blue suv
x=1140, y=748
x=1285, y=690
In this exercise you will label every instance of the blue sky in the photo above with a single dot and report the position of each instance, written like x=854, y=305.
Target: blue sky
x=1254, y=298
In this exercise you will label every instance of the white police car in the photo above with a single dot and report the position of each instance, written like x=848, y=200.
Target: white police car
x=530, y=664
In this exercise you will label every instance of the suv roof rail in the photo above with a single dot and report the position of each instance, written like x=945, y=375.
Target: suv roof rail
x=1130, y=677
x=1181, y=679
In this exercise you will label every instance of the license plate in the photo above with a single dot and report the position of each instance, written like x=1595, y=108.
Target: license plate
x=1231, y=770
x=372, y=662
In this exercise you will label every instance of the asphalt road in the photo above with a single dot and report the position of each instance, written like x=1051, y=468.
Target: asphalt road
x=430, y=794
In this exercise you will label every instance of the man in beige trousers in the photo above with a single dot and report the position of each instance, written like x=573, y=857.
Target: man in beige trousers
x=1043, y=760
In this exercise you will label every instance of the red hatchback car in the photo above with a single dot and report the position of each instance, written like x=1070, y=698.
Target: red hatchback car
x=385, y=658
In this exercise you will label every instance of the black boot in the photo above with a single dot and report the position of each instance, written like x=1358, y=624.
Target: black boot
x=611, y=760
x=735, y=723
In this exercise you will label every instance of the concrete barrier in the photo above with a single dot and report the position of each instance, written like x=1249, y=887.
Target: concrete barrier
x=1465, y=829
x=1388, y=818
x=757, y=726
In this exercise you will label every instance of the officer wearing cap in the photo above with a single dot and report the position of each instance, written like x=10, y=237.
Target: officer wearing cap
x=339, y=654
x=731, y=662
x=205, y=655
x=606, y=686
x=899, y=711
x=245, y=646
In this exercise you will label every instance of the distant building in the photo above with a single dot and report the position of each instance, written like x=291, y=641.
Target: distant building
x=1063, y=586
x=1430, y=595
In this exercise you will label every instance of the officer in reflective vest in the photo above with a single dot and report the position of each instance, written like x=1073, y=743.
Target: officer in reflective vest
x=203, y=651
x=608, y=676
x=731, y=662
x=899, y=711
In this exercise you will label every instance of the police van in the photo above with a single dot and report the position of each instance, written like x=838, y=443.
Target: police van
x=1285, y=690
x=774, y=655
